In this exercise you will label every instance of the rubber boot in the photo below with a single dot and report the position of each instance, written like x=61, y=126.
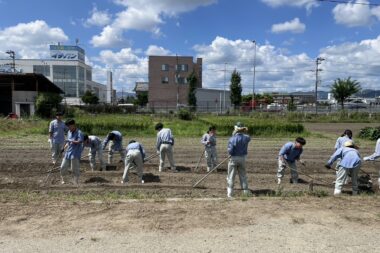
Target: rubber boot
x=229, y=192
x=337, y=192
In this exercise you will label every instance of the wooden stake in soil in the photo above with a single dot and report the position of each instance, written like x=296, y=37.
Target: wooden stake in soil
x=205, y=176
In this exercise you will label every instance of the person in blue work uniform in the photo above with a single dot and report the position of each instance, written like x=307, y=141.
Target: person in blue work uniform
x=73, y=147
x=135, y=159
x=57, y=129
x=350, y=162
x=95, y=145
x=237, y=149
x=288, y=155
x=116, y=145
x=374, y=157
x=209, y=141
x=164, y=146
x=346, y=136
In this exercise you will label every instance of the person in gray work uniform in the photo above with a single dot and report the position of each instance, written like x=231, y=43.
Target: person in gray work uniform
x=238, y=149
x=116, y=145
x=95, y=145
x=209, y=141
x=57, y=129
x=164, y=145
x=135, y=159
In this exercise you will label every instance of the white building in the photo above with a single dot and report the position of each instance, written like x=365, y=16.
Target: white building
x=66, y=68
x=213, y=100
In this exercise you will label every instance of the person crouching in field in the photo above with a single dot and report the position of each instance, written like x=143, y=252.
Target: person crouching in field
x=346, y=136
x=57, y=129
x=95, y=145
x=116, y=145
x=374, y=156
x=350, y=163
x=209, y=141
x=164, y=145
x=73, y=152
x=238, y=149
x=135, y=159
x=288, y=155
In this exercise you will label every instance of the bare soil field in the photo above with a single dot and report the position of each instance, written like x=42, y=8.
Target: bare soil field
x=167, y=215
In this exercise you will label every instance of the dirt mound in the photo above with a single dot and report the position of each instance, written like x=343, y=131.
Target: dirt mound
x=151, y=178
x=98, y=180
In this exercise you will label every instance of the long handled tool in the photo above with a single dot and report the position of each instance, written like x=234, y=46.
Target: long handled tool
x=205, y=176
x=199, y=161
x=150, y=157
x=312, y=178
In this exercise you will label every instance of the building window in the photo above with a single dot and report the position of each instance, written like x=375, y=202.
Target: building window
x=182, y=67
x=88, y=75
x=42, y=69
x=164, y=79
x=165, y=67
x=181, y=80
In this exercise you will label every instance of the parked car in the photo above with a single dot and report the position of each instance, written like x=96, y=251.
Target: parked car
x=356, y=104
x=274, y=107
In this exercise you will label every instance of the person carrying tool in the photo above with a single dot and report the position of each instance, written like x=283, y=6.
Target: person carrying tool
x=374, y=156
x=116, y=145
x=95, y=145
x=237, y=149
x=57, y=129
x=209, y=141
x=288, y=155
x=164, y=146
x=135, y=159
x=350, y=162
x=73, y=147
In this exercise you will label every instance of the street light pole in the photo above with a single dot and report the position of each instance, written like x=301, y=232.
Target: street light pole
x=254, y=75
x=317, y=62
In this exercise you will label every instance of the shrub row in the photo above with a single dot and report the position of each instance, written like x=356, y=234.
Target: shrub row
x=370, y=133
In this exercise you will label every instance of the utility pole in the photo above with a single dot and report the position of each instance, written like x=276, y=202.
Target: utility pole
x=254, y=76
x=224, y=91
x=12, y=56
x=177, y=79
x=317, y=69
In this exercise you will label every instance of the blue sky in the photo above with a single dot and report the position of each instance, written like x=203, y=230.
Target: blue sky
x=289, y=34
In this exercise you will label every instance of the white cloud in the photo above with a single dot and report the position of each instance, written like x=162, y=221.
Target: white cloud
x=376, y=12
x=144, y=15
x=293, y=26
x=110, y=36
x=31, y=40
x=284, y=72
x=127, y=67
x=98, y=18
x=353, y=15
x=156, y=50
x=308, y=4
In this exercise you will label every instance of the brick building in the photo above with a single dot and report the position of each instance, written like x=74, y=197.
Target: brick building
x=168, y=86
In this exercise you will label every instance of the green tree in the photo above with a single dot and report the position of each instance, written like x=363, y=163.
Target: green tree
x=46, y=103
x=247, y=98
x=291, y=105
x=142, y=99
x=344, y=88
x=90, y=98
x=236, y=89
x=192, y=99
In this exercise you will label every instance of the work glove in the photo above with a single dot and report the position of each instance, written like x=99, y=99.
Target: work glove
x=328, y=166
x=158, y=152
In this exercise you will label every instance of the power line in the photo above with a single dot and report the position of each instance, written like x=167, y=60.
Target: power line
x=349, y=2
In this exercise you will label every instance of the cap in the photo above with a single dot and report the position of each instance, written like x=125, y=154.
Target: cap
x=239, y=124
x=349, y=144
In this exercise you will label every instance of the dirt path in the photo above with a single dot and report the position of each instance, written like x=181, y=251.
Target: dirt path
x=256, y=225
